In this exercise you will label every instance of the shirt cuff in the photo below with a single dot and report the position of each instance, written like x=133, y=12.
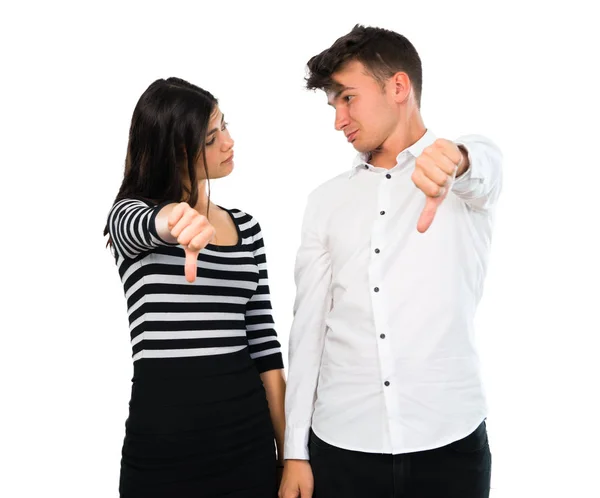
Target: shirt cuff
x=271, y=362
x=469, y=179
x=296, y=443
x=152, y=226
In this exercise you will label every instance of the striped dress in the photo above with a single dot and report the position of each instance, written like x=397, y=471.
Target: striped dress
x=199, y=421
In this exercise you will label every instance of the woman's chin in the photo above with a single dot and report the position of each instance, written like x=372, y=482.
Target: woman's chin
x=224, y=170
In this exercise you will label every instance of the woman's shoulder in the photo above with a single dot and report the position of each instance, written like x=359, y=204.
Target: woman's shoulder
x=247, y=223
x=133, y=201
x=240, y=215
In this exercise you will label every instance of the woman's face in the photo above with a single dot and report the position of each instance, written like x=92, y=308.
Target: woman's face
x=218, y=149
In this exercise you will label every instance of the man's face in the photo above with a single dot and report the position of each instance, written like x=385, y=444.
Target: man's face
x=364, y=111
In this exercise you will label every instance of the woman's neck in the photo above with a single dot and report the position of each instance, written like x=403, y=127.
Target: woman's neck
x=203, y=203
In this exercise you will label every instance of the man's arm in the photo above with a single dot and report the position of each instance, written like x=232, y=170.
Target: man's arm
x=481, y=182
x=471, y=167
x=307, y=337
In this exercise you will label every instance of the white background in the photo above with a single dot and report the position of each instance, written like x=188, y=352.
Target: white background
x=523, y=74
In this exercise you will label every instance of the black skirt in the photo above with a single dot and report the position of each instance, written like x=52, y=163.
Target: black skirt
x=198, y=427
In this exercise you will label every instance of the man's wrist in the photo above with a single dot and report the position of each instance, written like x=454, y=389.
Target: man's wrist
x=465, y=163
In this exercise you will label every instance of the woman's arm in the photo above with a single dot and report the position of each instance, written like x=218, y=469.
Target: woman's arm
x=274, y=382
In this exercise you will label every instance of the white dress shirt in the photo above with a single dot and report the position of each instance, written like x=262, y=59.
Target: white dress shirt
x=382, y=356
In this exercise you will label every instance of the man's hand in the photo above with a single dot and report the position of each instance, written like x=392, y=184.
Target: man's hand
x=435, y=170
x=297, y=481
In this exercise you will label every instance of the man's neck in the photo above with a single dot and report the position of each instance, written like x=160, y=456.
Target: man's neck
x=406, y=134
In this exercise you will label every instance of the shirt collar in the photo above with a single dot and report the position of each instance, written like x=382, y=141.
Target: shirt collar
x=361, y=161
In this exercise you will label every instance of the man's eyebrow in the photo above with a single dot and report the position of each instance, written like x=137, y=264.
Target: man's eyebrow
x=339, y=89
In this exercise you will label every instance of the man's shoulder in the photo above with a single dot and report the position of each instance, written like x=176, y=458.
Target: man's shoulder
x=328, y=188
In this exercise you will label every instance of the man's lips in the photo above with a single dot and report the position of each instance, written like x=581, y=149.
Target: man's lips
x=351, y=136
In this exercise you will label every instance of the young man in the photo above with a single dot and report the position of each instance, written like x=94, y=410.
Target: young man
x=384, y=395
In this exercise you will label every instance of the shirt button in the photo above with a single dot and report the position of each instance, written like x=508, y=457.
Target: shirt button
x=388, y=176
x=376, y=289
x=366, y=166
x=386, y=383
x=381, y=213
x=377, y=251
x=382, y=336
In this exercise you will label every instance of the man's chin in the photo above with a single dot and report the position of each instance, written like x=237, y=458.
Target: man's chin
x=361, y=147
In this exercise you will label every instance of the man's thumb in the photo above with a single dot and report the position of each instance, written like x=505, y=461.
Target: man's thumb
x=428, y=213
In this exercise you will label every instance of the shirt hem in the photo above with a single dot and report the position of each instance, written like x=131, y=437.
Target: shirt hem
x=410, y=449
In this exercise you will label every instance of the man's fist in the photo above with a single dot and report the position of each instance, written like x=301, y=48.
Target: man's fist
x=435, y=170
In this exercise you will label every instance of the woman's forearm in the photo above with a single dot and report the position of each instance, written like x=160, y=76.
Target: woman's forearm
x=274, y=382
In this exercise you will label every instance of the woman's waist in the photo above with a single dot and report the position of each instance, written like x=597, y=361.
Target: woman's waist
x=165, y=407
x=191, y=367
x=200, y=380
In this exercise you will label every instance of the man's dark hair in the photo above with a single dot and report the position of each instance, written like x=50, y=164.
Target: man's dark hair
x=381, y=51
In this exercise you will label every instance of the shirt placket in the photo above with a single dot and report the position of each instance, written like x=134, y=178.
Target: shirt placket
x=380, y=235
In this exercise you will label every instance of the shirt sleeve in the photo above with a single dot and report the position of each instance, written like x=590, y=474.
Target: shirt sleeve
x=481, y=184
x=264, y=347
x=307, y=336
x=132, y=227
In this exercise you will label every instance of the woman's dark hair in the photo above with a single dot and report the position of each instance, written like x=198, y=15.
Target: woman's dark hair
x=383, y=53
x=166, y=139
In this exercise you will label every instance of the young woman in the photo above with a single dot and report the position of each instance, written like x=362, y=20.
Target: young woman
x=206, y=411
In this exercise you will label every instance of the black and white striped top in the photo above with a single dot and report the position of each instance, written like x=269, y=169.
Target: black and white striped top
x=226, y=309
